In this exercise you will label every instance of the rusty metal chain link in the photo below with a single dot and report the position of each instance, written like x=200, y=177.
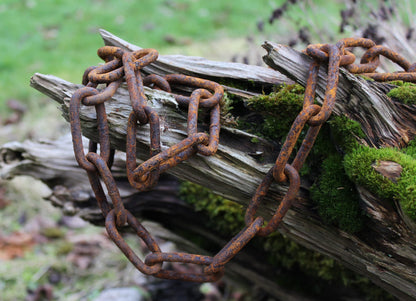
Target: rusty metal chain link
x=121, y=65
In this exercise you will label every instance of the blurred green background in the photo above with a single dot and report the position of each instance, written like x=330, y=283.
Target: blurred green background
x=61, y=38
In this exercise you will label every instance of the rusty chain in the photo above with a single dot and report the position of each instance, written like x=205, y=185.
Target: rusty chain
x=121, y=65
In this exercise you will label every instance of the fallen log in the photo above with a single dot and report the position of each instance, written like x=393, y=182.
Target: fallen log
x=385, y=252
x=165, y=215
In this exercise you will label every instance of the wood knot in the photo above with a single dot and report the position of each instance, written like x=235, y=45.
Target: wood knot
x=389, y=169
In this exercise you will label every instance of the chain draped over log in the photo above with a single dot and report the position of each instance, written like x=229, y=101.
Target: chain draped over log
x=122, y=65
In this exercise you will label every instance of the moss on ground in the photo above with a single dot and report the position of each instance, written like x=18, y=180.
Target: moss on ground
x=405, y=92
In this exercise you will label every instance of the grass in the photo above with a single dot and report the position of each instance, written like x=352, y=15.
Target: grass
x=61, y=37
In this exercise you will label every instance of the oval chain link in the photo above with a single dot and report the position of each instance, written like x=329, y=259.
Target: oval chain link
x=121, y=65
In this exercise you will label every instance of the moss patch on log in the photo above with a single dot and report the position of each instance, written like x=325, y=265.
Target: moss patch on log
x=227, y=118
x=405, y=92
x=345, y=133
x=359, y=165
x=277, y=109
x=333, y=190
x=334, y=194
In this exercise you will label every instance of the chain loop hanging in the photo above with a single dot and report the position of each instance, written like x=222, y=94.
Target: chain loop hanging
x=121, y=65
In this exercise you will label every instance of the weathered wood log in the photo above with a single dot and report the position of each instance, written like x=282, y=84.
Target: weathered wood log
x=53, y=163
x=385, y=252
x=385, y=123
x=255, y=79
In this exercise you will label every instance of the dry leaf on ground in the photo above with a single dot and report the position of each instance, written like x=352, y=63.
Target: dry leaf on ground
x=15, y=245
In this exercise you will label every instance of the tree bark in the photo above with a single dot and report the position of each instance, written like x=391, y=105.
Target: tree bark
x=385, y=252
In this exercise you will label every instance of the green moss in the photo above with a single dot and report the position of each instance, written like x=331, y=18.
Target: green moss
x=227, y=217
x=330, y=194
x=53, y=232
x=286, y=98
x=227, y=103
x=345, y=133
x=397, y=83
x=410, y=149
x=366, y=78
x=336, y=196
x=238, y=84
x=340, y=206
x=358, y=165
x=278, y=110
x=292, y=261
x=405, y=93
x=287, y=254
x=322, y=148
x=64, y=248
